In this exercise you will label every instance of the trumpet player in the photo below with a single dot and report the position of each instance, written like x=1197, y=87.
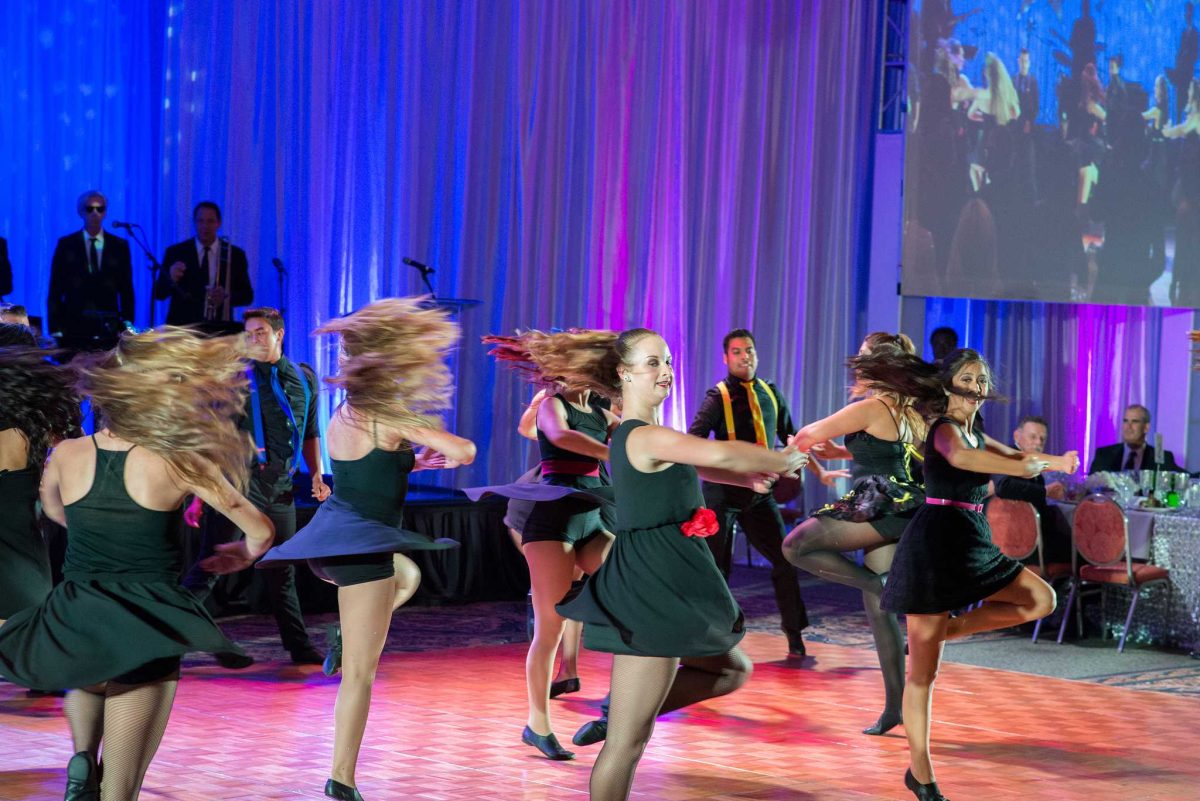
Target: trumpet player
x=206, y=277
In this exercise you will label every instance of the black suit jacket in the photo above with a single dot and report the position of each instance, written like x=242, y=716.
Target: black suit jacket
x=1108, y=459
x=74, y=291
x=1030, y=97
x=5, y=269
x=187, y=296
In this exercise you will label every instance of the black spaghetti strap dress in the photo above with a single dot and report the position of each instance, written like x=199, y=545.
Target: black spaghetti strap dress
x=564, y=504
x=888, y=486
x=120, y=612
x=354, y=533
x=659, y=592
x=946, y=559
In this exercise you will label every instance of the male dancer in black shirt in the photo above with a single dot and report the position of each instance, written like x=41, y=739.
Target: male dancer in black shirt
x=743, y=406
x=282, y=418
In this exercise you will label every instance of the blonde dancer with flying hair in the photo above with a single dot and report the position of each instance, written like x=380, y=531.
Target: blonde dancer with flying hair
x=392, y=367
x=115, y=629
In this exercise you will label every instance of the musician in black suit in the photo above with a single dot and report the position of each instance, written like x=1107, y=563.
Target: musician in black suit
x=5, y=269
x=197, y=272
x=1132, y=453
x=91, y=282
x=1028, y=93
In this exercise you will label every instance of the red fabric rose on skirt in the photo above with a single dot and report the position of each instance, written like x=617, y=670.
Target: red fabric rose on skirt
x=703, y=524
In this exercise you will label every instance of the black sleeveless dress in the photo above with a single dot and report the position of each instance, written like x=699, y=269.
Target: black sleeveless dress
x=563, y=505
x=946, y=559
x=120, y=606
x=354, y=533
x=887, y=487
x=659, y=592
x=24, y=564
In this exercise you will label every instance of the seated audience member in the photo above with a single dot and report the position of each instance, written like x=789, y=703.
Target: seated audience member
x=1030, y=437
x=1132, y=453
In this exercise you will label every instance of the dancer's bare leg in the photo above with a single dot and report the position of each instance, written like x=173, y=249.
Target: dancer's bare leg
x=551, y=565
x=926, y=638
x=1027, y=598
x=365, y=612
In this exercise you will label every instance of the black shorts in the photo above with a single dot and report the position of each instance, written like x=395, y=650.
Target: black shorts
x=346, y=571
x=154, y=670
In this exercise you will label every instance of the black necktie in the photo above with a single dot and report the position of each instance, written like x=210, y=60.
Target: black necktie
x=93, y=256
x=1131, y=460
x=209, y=312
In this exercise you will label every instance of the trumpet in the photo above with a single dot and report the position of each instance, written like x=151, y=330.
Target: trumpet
x=211, y=301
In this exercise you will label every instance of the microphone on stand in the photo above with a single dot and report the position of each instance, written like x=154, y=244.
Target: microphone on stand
x=279, y=265
x=128, y=226
x=424, y=269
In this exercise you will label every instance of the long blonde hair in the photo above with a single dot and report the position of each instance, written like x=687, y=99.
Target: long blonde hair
x=578, y=359
x=176, y=394
x=1004, y=102
x=392, y=361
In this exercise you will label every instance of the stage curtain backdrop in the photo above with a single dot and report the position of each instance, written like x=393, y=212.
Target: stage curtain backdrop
x=687, y=166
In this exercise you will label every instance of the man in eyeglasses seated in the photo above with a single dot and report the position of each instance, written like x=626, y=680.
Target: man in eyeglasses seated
x=1132, y=453
x=1030, y=437
x=91, y=282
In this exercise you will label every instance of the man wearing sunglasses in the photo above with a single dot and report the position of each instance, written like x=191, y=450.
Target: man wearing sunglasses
x=91, y=282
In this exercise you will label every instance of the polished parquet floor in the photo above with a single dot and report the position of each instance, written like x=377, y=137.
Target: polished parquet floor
x=446, y=725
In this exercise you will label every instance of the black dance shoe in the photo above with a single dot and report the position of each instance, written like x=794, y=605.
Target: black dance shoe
x=547, y=744
x=307, y=656
x=592, y=732
x=923, y=792
x=341, y=791
x=333, y=650
x=796, y=649
x=564, y=687
x=887, y=721
x=232, y=661
x=83, y=778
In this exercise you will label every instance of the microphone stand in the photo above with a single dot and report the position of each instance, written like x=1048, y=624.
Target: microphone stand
x=281, y=277
x=425, y=271
x=138, y=235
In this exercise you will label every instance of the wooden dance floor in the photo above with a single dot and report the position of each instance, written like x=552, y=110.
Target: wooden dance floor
x=446, y=725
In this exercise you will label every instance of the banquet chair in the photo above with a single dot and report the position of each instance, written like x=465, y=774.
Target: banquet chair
x=1017, y=531
x=1100, y=537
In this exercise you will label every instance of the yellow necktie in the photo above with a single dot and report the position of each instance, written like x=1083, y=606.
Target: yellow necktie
x=760, y=431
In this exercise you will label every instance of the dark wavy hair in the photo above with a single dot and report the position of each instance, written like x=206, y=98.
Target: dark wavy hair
x=37, y=397
x=907, y=375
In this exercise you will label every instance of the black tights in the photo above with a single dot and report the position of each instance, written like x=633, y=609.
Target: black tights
x=644, y=687
x=129, y=719
x=819, y=545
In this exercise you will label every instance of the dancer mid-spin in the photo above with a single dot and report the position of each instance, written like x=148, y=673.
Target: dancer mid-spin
x=38, y=407
x=114, y=630
x=392, y=368
x=946, y=559
x=658, y=603
x=883, y=434
x=562, y=531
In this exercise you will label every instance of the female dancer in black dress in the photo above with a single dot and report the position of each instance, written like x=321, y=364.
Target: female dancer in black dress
x=38, y=407
x=114, y=630
x=562, y=531
x=883, y=435
x=946, y=559
x=392, y=368
x=658, y=603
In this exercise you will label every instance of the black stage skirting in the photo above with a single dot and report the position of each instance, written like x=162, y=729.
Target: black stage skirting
x=485, y=567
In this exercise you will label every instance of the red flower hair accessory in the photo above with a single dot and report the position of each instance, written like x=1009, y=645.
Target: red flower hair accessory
x=703, y=524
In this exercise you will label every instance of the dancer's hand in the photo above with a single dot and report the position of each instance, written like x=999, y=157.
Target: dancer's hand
x=763, y=483
x=1035, y=464
x=829, y=477
x=229, y=558
x=430, y=459
x=1067, y=463
x=194, y=512
x=795, y=460
x=320, y=490
x=829, y=450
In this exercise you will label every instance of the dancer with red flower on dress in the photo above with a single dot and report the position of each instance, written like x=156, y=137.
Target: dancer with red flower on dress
x=658, y=603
